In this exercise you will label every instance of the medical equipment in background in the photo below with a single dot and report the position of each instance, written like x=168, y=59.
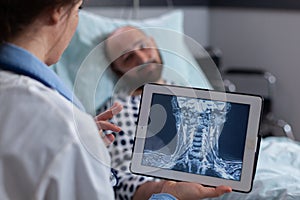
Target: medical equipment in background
x=258, y=82
x=250, y=80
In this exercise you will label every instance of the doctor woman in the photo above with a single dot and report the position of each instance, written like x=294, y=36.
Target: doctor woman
x=49, y=147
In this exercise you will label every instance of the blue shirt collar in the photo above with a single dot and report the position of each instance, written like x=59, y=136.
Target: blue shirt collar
x=20, y=61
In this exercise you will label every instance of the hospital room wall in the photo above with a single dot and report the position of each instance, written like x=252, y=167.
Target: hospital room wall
x=267, y=39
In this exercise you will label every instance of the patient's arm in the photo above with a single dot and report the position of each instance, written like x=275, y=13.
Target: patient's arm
x=181, y=190
x=193, y=191
x=145, y=190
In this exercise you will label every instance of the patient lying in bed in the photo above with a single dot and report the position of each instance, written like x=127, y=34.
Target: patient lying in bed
x=278, y=161
x=278, y=173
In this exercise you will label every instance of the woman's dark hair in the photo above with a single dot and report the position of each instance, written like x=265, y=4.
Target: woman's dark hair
x=17, y=14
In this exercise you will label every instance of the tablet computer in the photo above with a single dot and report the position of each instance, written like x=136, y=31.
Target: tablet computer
x=195, y=135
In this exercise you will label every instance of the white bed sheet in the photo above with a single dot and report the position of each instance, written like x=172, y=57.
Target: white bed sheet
x=278, y=172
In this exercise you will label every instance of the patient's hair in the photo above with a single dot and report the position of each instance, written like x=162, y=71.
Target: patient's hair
x=108, y=37
x=15, y=15
x=112, y=34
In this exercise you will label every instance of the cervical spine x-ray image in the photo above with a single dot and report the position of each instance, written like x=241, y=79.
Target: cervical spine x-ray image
x=197, y=136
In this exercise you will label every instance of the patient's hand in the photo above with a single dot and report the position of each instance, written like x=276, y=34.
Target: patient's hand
x=191, y=191
x=103, y=124
x=180, y=190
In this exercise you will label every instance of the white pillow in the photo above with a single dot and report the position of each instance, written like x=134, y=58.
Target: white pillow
x=84, y=67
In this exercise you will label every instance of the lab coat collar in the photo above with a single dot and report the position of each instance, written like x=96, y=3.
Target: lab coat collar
x=20, y=61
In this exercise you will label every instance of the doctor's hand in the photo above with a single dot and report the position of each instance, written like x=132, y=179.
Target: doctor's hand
x=103, y=123
x=192, y=191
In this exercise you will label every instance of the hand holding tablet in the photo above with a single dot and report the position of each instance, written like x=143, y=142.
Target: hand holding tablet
x=196, y=135
x=191, y=191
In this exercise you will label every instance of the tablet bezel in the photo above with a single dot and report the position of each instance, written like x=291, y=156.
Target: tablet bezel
x=251, y=142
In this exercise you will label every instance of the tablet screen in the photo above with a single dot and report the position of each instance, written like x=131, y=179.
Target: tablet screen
x=196, y=135
x=201, y=136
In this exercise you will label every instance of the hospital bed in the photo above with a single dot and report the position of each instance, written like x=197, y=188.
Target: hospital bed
x=85, y=70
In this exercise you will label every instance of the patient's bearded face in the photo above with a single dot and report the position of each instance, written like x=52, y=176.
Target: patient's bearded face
x=137, y=58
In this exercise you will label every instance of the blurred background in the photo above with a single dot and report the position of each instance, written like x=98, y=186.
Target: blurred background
x=253, y=36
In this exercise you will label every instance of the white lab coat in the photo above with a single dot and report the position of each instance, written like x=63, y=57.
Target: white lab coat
x=49, y=149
